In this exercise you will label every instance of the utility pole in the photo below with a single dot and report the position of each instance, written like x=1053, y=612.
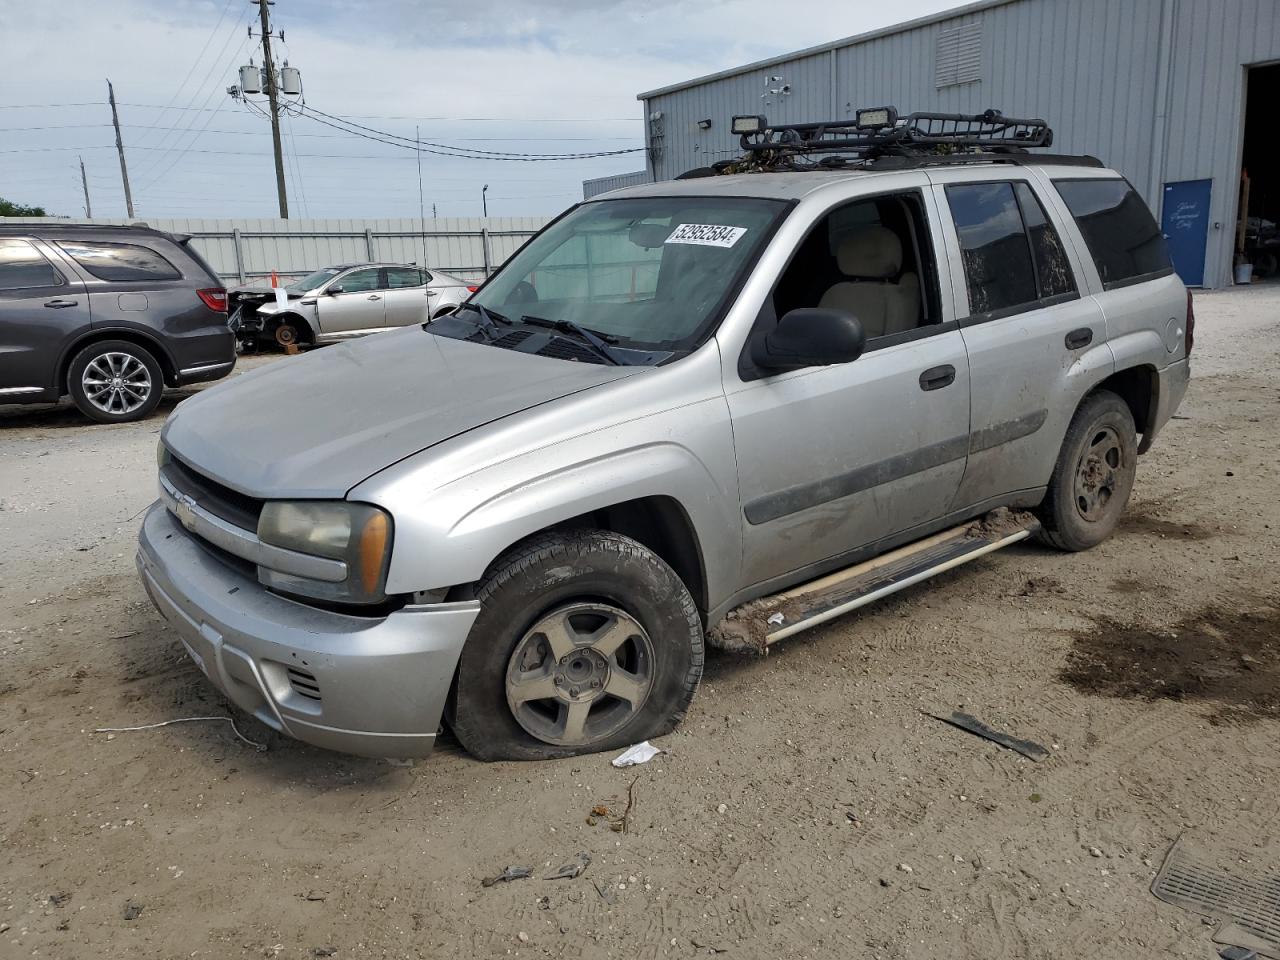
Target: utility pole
x=273, y=96
x=84, y=182
x=124, y=170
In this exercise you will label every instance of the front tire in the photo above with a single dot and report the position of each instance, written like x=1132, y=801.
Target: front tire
x=586, y=641
x=1094, y=475
x=115, y=381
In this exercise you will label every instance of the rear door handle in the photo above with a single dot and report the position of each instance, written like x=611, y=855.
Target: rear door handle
x=60, y=304
x=935, y=378
x=1079, y=338
x=374, y=296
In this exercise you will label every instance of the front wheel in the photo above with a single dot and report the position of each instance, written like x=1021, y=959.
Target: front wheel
x=115, y=381
x=1094, y=475
x=585, y=641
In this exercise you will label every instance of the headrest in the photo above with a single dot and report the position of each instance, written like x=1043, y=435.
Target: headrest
x=870, y=252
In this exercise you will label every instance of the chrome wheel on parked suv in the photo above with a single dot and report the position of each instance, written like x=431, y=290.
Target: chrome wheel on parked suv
x=115, y=381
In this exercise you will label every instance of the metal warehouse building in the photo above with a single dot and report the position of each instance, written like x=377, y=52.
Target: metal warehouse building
x=1180, y=96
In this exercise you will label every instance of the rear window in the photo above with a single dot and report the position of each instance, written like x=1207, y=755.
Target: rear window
x=22, y=266
x=398, y=277
x=120, y=261
x=1119, y=230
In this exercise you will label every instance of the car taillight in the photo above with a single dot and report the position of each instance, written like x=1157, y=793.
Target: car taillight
x=1190, y=337
x=215, y=298
x=472, y=289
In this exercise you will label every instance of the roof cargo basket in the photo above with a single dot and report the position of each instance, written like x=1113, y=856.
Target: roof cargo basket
x=878, y=136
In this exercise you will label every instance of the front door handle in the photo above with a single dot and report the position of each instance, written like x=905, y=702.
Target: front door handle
x=374, y=296
x=935, y=378
x=1079, y=338
x=60, y=304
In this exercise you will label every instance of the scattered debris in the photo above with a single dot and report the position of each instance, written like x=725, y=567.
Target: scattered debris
x=1237, y=953
x=640, y=753
x=723, y=808
x=324, y=951
x=905, y=868
x=971, y=724
x=776, y=619
x=58, y=899
x=710, y=948
x=507, y=875
x=522, y=937
x=625, y=822
x=1095, y=852
x=606, y=892
x=315, y=896
x=260, y=747
x=571, y=869
x=132, y=911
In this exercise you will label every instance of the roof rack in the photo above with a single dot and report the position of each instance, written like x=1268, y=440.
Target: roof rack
x=879, y=138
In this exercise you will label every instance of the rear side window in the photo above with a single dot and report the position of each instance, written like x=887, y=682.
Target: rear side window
x=399, y=277
x=1053, y=272
x=120, y=261
x=1119, y=230
x=993, y=243
x=22, y=266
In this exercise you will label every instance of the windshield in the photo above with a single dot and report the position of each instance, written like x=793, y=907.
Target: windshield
x=647, y=273
x=313, y=280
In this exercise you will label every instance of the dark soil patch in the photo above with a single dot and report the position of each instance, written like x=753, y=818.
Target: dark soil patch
x=1140, y=519
x=1230, y=657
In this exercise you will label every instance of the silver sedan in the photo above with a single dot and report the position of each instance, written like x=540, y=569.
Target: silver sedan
x=351, y=300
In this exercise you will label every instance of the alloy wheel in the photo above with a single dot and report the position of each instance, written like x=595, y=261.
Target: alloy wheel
x=580, y=674
x=116, y=383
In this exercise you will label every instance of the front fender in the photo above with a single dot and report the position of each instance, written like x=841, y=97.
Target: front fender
x=457, y=507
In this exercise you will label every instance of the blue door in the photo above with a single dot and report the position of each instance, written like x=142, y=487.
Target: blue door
x=1185, y=224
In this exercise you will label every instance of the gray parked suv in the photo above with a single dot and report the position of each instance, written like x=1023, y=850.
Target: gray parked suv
x=721, y=409
x=109, y=315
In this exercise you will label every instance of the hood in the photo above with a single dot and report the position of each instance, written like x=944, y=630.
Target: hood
x=316, y=425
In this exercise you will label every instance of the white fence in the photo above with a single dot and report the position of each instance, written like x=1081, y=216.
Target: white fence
x=243, y=250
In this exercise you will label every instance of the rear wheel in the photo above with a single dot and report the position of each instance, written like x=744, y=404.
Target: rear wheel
x=1094, y=474
x=115, y=381
x=585, y=641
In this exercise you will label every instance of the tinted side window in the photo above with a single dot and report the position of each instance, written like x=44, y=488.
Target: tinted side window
x=993, y=242
x=400, y=277
x=22, y=265
x=1052, y=268
x=360, y=280
x=120, y=261
x=1118, y=228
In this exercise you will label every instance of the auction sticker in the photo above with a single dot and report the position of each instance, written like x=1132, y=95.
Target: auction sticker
x=706, y=234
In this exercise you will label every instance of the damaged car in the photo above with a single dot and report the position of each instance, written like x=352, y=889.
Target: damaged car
x=345, y=301
x=723, y=409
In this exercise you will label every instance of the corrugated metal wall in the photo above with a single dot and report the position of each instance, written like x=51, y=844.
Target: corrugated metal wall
x=294, y=248
x=591, y=188
x=1152, y=87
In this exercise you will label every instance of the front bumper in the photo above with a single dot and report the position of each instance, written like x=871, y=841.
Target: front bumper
x=374, y=686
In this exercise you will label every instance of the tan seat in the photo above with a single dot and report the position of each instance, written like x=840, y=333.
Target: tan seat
x=874, y=255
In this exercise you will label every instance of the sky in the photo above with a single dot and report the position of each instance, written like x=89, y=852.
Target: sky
x=557, y=76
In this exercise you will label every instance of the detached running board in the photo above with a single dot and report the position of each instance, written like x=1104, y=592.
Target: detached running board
x=755, y=626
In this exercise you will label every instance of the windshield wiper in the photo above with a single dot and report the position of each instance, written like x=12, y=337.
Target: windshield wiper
x=485, y=322
x=597, y=341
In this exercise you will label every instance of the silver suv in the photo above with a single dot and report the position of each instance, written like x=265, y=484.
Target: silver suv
x=722, y=409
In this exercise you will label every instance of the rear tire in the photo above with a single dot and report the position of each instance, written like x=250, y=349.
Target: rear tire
x=1094, y=475
x=115, y=381
x=586, y=641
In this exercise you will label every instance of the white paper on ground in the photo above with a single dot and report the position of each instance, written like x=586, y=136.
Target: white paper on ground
x=640, y=753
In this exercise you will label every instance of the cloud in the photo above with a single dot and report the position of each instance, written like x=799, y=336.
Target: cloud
x=387, y=60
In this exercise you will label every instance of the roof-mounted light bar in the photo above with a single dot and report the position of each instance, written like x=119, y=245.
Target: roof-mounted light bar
x=744, y=125
x=875, y=118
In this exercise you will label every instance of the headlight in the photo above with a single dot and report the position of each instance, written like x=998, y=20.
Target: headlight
x=356, y=533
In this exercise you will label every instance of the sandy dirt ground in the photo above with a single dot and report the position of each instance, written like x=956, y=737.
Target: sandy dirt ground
x=808, y=807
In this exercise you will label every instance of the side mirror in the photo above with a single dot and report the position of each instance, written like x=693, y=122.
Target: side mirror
x=336, y=288
x=810, y=337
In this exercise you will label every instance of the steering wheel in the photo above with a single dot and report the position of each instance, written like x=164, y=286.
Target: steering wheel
x=522, y=292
